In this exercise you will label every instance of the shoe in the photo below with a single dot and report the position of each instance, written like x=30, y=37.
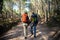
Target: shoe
x=31, y=33
x=34, y=36
x=25, y=37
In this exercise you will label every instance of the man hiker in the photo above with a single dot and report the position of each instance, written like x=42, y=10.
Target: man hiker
x=25, y=20
x=34, y=22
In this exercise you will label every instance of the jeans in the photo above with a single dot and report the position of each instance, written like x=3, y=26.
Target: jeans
x=33, y=29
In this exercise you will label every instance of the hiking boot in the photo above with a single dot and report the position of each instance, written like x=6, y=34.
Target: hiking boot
x=31, y=33
x=34, y=36
x=25, y=37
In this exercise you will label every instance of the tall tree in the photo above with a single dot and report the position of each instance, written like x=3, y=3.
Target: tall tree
x=1, y=6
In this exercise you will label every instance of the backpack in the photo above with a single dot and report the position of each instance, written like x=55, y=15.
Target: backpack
x=34, y=18
x=25, y=18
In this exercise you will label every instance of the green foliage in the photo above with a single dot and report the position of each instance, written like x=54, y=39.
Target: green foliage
x=54, y=21
x=24, y=0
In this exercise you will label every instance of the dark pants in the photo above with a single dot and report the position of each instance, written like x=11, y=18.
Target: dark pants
x=33, y=29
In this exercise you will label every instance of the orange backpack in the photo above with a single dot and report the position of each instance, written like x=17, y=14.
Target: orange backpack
x=25, y=18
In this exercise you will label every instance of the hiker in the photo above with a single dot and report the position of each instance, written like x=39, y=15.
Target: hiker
x=34, y=22
x=25, y=20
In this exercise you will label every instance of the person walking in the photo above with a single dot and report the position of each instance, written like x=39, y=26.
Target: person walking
x=34, y=22
x=25, y=20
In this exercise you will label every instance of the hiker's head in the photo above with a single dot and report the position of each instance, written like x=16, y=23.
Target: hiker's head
x=33, y=13
x=25, y=12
